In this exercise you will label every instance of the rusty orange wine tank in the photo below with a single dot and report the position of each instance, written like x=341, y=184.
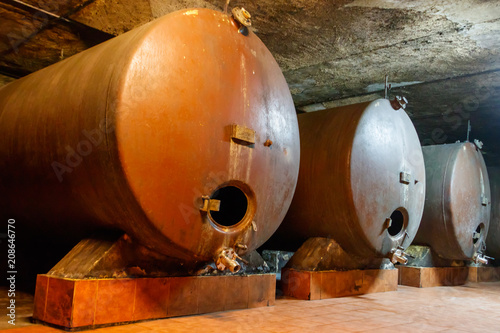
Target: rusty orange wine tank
x=361, y=179
x=457, y=206
x=182, y=133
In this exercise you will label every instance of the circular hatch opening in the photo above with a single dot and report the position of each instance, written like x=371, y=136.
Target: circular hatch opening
x=397, y=223
x=476, y=235
x=233, y=206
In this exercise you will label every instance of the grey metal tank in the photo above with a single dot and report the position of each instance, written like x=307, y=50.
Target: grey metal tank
x=457, y=205
x=493, y=238
x=361, y=180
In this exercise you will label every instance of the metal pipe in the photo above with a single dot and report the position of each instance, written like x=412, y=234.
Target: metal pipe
x=232, y=264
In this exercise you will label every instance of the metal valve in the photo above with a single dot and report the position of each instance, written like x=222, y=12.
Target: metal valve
x=398, y=256
x=480, y=258
x=227, y=259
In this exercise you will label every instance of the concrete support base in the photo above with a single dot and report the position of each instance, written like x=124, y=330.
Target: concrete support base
x=424, y=277
x=315, y=285
x=74, y=304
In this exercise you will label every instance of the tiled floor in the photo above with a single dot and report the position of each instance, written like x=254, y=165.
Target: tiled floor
x=471, y=308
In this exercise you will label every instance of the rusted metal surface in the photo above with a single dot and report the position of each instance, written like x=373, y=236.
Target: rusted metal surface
x=349, y=186
x=134, y=133
x=493, y=237
x=457, y=205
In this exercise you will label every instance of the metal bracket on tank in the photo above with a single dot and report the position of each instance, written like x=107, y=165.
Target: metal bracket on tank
x=242, y=135
x=210, y=204
x=399, y=103
x=404, y=178
x=242, y=246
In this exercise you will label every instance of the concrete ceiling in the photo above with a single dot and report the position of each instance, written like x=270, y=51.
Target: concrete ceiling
x=444, y=56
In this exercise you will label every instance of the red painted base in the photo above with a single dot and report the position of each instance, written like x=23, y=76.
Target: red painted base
x=424, y=277
x=311, y=285
x=88, y=303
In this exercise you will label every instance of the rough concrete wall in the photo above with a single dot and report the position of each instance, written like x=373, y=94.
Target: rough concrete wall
x=441, y=110
x=115, y=16
x=342, y=48
x=330, y=49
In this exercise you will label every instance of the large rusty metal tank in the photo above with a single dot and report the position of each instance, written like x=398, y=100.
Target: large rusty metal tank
x=361, y=180
x=493, y=237
x=457, y=205
x=182, y=133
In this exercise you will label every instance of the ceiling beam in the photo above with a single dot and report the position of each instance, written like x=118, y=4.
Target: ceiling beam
x=15, y=73
x=49, y=19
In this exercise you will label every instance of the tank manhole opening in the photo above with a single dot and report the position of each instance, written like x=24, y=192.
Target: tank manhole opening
x=233, y=206
x=476, y=235
x=397, y=223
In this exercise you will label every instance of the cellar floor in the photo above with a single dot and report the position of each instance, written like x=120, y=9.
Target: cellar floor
x=474, y=307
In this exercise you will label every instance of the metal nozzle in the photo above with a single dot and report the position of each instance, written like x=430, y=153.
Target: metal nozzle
x=233, y=265
x=480, y=259
x=398, y=256
x=227, y=259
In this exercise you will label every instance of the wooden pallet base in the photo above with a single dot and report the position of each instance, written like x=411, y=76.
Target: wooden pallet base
x=424, y=277
x=315, y=285
x=88, y=303
x=484, y=274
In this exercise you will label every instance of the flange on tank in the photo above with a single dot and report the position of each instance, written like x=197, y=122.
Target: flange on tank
x=458, y=203
x=361, y=180
x=493, y=237
x=182, y=133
